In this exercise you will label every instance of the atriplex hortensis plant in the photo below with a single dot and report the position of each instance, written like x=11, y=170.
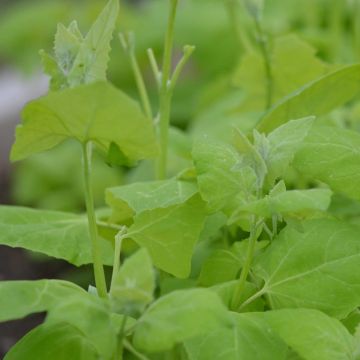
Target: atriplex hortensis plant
x=224, y=260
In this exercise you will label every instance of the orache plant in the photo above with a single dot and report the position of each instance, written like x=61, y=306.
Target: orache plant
x=236, y=257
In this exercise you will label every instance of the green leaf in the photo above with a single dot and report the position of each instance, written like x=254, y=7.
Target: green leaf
x=91, y=61
x=219, y=180
x=315, y=98
x=312, y=334
x=220, y=266
x=58, y=342
x=293, y=203
x=248, y=339
x=128, y=200
x=178, y=316
x=316, y=268
x=134, y=284
x=170, y=234
x=21, y=298
x=90, y=315
x=284, y=142
x=332, y=155
x=98, y=112
x=57, y=234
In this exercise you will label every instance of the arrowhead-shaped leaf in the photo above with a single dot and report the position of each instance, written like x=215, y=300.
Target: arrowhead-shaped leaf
x=97, y=112
x=316, y=268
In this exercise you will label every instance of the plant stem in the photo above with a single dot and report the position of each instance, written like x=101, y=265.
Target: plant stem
x=235, y=303
x=165, y=93
x=129, y=347
x=129, y=47
x=264, y=48
x=252, y=298
x=95, y=245
x=232, y=7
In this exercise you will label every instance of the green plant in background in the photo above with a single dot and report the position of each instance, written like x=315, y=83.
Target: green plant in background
x=241, y=253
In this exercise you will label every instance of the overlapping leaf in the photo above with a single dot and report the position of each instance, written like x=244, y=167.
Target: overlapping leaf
x=57, y=234
x=332, y=155
x=315, y=269
x=97, y=112
x=170, y=234
x=178, y=316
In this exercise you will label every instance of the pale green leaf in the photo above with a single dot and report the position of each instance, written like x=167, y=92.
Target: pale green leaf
x=57, y=234
x=315, y=98
x=220, y=266
x=91, y=61
x=98, y=112
x=170, y=234
x=21, y=298
x=248, y=339
x=90, y=315
x=316, y=268
x=134, y=284
x=128, y=200
x=311, y=333
x=284, y=142
x=178, y=316
x=294, y=203
x=57, y=342
x=219, y=180
x=332, y=155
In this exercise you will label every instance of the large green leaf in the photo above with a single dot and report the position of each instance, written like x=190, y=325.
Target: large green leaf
x=133, y=286
x=97, y=112
x=170, y=234
x=21, y=298
x=296, y=203
x=332, y=155
x=316, y=268
x=284, y=142
x=312, y=334
x=128, y=200
x=87, y=313
x=58, y=234
x=316, y=98
x=248, y=339
x=58, y=342
x=178, y=316
x=218, y=178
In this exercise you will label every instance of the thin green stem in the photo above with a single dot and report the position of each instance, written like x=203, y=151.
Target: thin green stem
x=165, y=94
x=232, y=7
x=236, y=300
x=188, y=50
x=128, y=44
x=116, y=265
x=264, y=48
x=95, y=245
x=136, y=353
x=154, y=66
x=252, y=298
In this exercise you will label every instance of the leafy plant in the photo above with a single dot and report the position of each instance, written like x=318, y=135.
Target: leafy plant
x=234, y=257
